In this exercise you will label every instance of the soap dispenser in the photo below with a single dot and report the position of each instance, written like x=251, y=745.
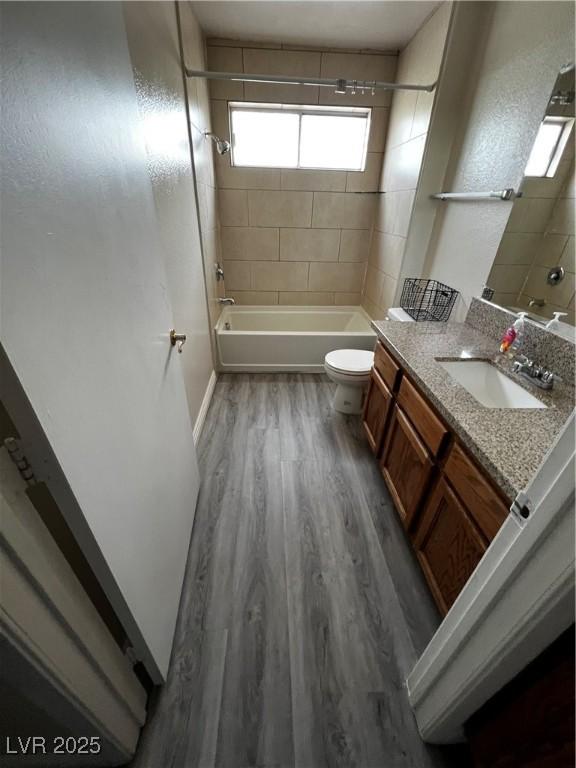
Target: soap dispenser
x=514, y=336
x=554, y=324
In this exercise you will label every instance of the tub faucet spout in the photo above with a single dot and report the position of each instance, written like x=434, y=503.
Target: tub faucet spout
x=226, y=301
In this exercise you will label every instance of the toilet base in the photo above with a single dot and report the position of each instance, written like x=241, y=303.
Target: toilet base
x=349, y=398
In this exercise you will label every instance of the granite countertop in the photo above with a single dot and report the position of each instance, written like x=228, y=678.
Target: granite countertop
x=509, y=443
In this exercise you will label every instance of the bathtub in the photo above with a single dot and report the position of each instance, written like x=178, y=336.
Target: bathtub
x=279, y=338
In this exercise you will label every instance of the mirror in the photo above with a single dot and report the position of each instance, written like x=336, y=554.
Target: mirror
x=534, y=266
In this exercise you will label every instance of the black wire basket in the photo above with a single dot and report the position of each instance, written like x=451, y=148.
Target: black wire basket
x=427, y=299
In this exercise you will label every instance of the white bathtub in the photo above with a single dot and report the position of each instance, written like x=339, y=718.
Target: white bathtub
x=278, y=338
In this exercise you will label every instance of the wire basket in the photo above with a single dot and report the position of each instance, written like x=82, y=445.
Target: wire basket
x=427, y=299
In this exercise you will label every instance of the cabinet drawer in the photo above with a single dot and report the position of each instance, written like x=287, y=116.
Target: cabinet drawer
x=483, y=502
x=376, y=410
x=448, y=545
x=406, y=466
x=429, y=427
x=386, y=367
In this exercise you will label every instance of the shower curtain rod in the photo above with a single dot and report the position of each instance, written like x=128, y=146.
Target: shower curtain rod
x=339, y=84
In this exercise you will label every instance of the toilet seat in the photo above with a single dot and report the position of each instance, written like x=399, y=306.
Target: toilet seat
x=352, y=362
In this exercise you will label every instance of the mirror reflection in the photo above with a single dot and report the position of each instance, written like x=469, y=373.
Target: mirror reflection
x=535, y=264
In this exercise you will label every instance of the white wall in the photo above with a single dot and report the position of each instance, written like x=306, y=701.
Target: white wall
x=153, y=42
x=86, y=302
x=522, y=47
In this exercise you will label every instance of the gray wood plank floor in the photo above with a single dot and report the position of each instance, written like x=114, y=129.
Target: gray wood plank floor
x=303, y=607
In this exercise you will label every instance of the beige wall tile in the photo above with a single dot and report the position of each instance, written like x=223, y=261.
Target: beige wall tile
x=229, y=177
x=422, y=114
x=387, y=297
x=537, y=287
x=354, y=245
x=309, y=244
x=257, y=298
x=358, y=67
x=368, y=179
x=543, y=187
x=306, y=298
x=378, y=129
x=529, y=215
x=570, y=188
x=374, y=311
x=568, y=258
x=521, y=248
x=219, y=118
x=343, y=210
x=250, y=243
x=507, y=277
x=225, y=60
x=280, y=276
x=386, y=253
x=548, y=249
x=280, y=209
x=401, y=117
x=373, y=285
x=563, y=217
x=327, y=181
x=237, y=275
x=270, y=62
x=208, y=205
x=229, y=42
x=336, y=277
x=233, y=207
x=347, y=299
x=402, y=165
x=394, y=212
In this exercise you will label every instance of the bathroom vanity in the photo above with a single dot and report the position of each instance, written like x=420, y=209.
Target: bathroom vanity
x=452, y=465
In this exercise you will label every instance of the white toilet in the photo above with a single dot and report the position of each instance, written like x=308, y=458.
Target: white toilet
x=350, y=369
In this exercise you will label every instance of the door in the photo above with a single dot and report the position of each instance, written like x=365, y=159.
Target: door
x=85, y=311
x=448, y=545
x=406, y=466
x=376, y=408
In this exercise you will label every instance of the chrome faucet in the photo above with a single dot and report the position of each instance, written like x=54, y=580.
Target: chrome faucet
x=536, y=374
x=226, y=301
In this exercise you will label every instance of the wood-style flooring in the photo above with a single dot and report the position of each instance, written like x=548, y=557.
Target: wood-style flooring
x=303, y=607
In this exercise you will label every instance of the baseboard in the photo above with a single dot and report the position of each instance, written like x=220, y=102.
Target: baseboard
x=201, y=418
x=271, y=368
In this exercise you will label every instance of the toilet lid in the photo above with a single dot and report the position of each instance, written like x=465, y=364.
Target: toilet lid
x=350, y=360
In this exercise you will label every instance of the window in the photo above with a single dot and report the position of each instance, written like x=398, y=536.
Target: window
x=288, y=136
x=547, y=151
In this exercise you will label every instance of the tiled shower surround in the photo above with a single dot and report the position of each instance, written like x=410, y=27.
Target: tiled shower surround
x=297, y=236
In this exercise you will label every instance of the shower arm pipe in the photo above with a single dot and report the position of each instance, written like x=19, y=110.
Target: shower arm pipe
x=501, y=194
x=339, y=84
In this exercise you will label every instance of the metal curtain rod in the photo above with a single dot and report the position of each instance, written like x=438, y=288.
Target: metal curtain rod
x=502, y=194
x=339, y=84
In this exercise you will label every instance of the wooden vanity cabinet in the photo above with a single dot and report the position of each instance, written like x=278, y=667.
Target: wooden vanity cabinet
x=376, y=411
x=448, y=544
x=443, y=498
x=406, y=466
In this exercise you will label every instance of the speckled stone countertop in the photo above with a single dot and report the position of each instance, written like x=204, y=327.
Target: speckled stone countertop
x=508, y=442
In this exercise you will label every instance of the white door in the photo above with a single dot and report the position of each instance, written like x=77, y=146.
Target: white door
x=85, y=314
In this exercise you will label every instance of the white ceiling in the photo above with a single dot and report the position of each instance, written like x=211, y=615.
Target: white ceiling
x=386, y=25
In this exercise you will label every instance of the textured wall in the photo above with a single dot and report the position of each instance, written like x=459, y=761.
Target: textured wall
x=296, y=236
x=154, y=51
x=511, y=77
x=419, y=62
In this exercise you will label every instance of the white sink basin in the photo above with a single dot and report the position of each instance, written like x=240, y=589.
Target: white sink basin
x=488, y=385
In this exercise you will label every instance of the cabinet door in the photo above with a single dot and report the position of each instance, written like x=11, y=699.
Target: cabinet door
x=406, y=466
x=448, y=545
x=376, y=408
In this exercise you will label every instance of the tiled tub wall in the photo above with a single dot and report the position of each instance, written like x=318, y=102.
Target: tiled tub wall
x=539, y=235
x=410, y=116
x=296, y=236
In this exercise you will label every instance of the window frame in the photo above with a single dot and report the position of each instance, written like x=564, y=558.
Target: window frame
x=301, y=110
x=559, y=147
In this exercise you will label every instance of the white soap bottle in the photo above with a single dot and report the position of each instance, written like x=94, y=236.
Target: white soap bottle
x=554, y=324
